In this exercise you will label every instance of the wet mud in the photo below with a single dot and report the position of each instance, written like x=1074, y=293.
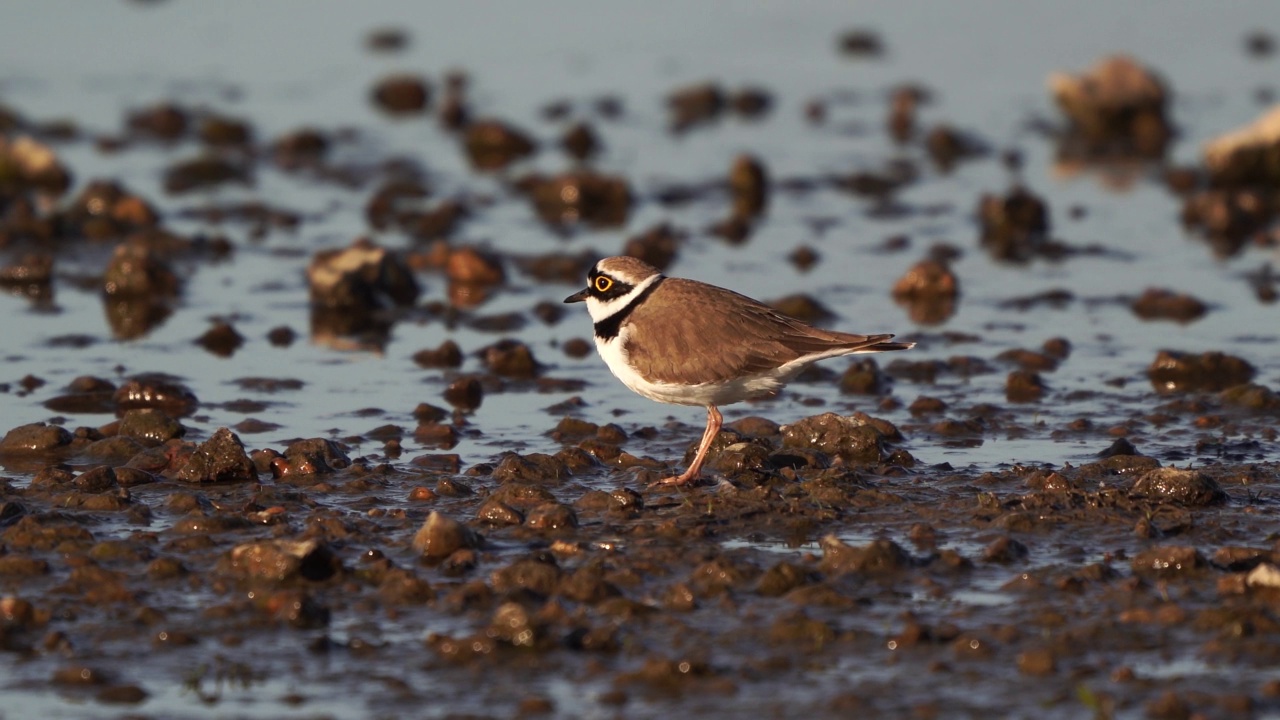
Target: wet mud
x=295, y=425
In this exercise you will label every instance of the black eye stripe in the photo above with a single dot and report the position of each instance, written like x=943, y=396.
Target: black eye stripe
x=613, y=289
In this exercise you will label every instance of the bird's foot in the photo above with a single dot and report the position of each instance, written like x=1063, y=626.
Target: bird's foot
x=681, y=480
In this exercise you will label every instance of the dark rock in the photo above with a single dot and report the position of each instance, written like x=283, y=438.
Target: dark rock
x=1252, y=396
x=155, y=390
x=657, y=246
x=360, y=278
x=496, y=512
x=836, y=435
x=947, y=146
x=1161, y=304
x=205, y=172
x=1168, y=560
x=534, y=468
x=471, y=266
x=281, y=336
x=222, y=339
x=150, y=425
x=551, y=516
x=1117, y=107
x=1014, y=227
x=402, y=94
x=527, y=575
x=465, y=393
x=219, y=459
x=281, y=560
x=1024, y=386
x=860, y=43
x=315, y=456
x=510, y=358
x=1174, y=371
x=1120, y=447
x=304, y=147
x=748, y=185
x=695, y=105
x=580, y=141
x=34, y=438
x=863, y=377
x=580, y=196
x=139, y=270
x=491, y=144
x=1004, y=550
x=879, y=557
x=440, y=536
x=98, y=480
x=448, y=355
x=160, y=122
x=1185, y=487
x=928, y=291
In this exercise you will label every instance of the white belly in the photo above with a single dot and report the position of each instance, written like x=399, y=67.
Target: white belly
x=712, y=393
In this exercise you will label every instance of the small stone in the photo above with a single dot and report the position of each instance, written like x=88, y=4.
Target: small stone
x=1161, y=304
x=1024, y=386
x=447, y=355
x=222, y=339
x=440, y=536
x=491, y=144
x=510, y=358
x=465, y=393
x=402, y=94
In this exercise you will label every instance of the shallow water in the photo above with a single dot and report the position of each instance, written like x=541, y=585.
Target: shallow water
x=283, y=65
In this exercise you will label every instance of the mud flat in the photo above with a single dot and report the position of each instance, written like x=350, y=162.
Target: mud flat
x=293, y=422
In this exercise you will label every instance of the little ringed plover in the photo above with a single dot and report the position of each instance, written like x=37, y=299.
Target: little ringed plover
x=689, y=343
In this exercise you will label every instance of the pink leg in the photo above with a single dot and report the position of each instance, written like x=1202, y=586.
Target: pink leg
x=714, y=422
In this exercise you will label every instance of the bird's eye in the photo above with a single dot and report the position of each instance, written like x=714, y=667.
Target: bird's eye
x=603, y=283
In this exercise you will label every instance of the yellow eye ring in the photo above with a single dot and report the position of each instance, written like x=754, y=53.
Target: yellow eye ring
x=603, y=283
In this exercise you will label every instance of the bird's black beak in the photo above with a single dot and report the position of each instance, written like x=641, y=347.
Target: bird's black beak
x=577, y=297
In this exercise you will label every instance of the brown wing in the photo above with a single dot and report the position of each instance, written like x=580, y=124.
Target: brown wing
x=696, y=332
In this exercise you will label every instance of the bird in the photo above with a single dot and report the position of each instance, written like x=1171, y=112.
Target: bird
x=686, y=342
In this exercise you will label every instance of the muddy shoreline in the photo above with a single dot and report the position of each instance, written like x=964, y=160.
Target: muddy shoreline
x=293, y=422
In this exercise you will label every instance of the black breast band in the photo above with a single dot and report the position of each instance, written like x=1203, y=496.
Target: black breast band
x=607, y=329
